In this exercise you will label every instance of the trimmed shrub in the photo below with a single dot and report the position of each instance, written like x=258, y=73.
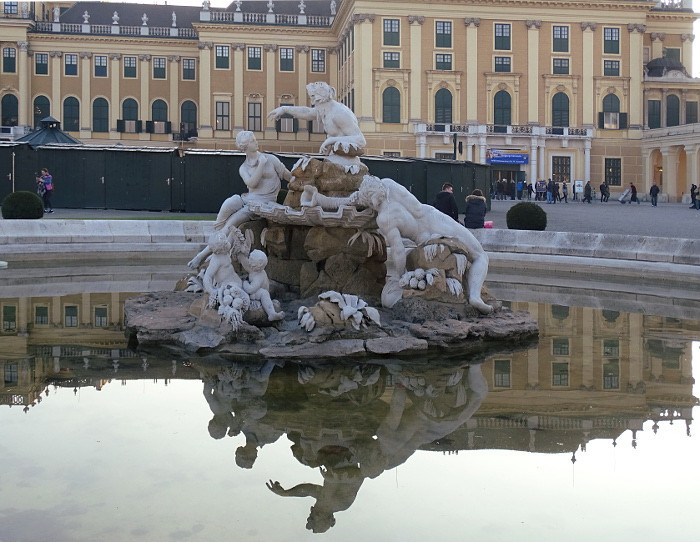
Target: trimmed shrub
x=22, y=204
x=526, y=216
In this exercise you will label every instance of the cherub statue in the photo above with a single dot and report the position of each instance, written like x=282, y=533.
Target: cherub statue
x=220, y=269
x=261, y=173
x=338, y=120
x=257, y=286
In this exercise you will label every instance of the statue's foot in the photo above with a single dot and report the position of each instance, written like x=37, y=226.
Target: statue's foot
x=275, y=316
x=194, y=263
x=479, y=305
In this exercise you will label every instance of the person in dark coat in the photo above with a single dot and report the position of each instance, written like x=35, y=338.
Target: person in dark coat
x=476, y=210
x=587, y=192
x=654, y=193
x=445, y=202
x=633, y=189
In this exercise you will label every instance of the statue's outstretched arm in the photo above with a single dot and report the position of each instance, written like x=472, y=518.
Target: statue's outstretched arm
x=298, y=111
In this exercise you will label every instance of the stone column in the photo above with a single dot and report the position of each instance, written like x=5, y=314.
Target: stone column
x=239, y=104
x=687, y=51
x=587, y=90
x=587, y=348
x=204, y=114
x=85, y=313
x=23, y=316
x=116, y=310
x=471, y=71
x=115, y=108
x=587, y=160
x=636, y=359
x=364, y=96
x=271, y=101
x=542, y=161
x=664, y=92
x=533, y=71
x=670, y=166
x=533, y=161
x=24, y=69
x=56, y=77
x=174, y=100
x=85, y=98
x=416, y=97
x=533, y=354
x=657, y=44
x=635, y=114
x=302, y=70
x=691, y=167
x=144, y=106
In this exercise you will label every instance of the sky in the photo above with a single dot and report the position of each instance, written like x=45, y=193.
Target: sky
x=225, y=3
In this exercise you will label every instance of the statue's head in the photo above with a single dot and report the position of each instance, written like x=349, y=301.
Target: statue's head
x=244, y=138
x=218, y=243
x=372, y=192
x=320, y=92
x=257, y=260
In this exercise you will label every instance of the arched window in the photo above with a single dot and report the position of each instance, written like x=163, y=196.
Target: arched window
x=159, y=111
x=9, y=106
x=560, y=312
x=100, y=115
x=130, y=109
x=611, y=104
x=391, y=105
x=42, y=109
x=560, y=109
x=501, y=111
x=673, y=110
x=443, y=107
x=71, y=114
x=188, y=118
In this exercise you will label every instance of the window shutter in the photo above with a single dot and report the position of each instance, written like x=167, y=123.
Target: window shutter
x=149, y=126
x=120, y=125
x=168, y=127
x=623, y=121
x=601, y=120
x=139, y=127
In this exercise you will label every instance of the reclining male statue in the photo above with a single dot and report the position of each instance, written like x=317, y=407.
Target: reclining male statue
x=400, y=215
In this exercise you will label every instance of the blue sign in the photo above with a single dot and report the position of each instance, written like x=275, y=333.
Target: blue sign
x=501, y=156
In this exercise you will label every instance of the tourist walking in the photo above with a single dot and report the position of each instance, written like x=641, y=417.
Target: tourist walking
x=604, y=192
x=476, y=210
x=550, y=191
x=587, y=191
x=47, y=179
x=633, y=190
x=565, y=192
x=654, y=194
x=529, y=191
x=445, y=201
x=694, y=197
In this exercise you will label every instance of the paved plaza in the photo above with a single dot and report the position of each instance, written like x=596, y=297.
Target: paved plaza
x=667, y=220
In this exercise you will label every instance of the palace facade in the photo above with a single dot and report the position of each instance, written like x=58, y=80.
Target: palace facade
x=573, y=90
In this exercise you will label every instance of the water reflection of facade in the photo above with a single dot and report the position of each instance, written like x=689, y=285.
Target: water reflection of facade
x=563, y=88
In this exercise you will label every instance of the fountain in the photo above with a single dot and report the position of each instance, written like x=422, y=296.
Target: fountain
x=349, y=265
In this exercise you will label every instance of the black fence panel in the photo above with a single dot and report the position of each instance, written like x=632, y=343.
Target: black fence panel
x=210, y=178
x=138, y=180
x=78, y=176
x=20, y=159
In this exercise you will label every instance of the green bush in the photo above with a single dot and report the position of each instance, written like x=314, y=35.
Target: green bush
x=526, y=216
x=22, y=205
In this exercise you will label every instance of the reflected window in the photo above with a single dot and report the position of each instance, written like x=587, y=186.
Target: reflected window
x=71, y=114
x=611, y=374
x=560, y=312
x=41, y=315
x=610, y=316
x=9, y=318
x=100, y=316
x=611, y=347
x=560, y=347
x=71, y=316
x=560, y=374
x=11, y=374
x=501, y=373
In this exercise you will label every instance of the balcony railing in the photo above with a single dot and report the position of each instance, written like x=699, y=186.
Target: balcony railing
x=281, y=19
x=115, y=29
x=502, y=129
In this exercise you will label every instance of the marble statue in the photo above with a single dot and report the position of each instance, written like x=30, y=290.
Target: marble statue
x=302, y=6
x=56, y=14
x=115, y=18
x=257, y=286
x=86, y=17
x=220, y=269
x=400, y=215
x=261, y=173
x=270, y=6
x=333, y=7
x=338, y=120
x=174, y=17
x=144, y=19
x=238, y=5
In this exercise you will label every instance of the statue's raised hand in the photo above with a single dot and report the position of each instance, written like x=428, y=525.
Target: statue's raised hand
x=277, y=113
x=275, y=487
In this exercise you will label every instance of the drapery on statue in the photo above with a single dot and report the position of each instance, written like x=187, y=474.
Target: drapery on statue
x=400, y=215
x=339, y=122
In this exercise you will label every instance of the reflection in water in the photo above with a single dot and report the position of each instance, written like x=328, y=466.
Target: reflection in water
x=593, y=374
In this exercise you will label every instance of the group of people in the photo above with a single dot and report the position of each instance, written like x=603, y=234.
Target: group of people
x=476, y=206
x=44, y=188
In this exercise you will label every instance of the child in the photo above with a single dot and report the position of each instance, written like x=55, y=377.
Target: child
x=258, y=285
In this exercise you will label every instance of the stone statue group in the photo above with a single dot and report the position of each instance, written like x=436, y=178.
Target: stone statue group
x=399, y=216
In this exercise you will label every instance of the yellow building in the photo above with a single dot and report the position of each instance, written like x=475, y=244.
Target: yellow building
x=574, y=90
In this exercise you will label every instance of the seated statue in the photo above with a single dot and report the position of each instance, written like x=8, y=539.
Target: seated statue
x=338, y=120
x=261, y=173
x=400, y=215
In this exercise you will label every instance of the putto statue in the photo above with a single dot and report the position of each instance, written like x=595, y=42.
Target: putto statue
x=338, y=120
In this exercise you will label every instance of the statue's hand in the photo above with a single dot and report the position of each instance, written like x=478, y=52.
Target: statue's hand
x=275, y=114
x=275, y=487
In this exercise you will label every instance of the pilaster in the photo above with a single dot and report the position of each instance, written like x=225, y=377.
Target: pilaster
x=205, y=129
x=145, y=78
x=472, y=72
x=271, y=100
x=669, y=163
x=114, y=110
x=239, y=112
x=24, y=69
x=587, y=91
x=416, y=96
x=657, y=44
x=687, y=51
x=174, y=81
x=85, y=101
x=635, y=115
x=302, y=81
x=56, y=78
x=364, y=24
x=533, y=70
